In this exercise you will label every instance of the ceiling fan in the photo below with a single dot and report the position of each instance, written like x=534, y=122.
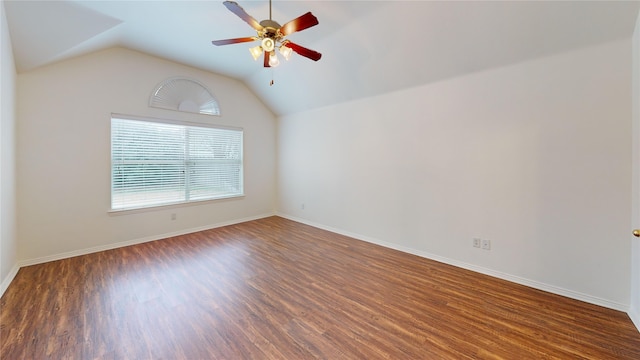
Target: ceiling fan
x=272, y=36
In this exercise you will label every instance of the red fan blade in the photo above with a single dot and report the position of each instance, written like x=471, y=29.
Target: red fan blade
x=267, y=54
x=313, y=55
x=233, y=41
x=238, y=10
x=298, y=24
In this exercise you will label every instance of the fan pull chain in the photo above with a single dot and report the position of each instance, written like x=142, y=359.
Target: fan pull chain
x=271, y=82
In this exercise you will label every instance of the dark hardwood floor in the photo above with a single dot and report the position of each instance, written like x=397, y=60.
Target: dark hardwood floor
x=277, y=289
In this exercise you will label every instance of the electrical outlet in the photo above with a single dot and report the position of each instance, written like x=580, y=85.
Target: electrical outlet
x=486, y=244
x=302, y=206
x=173, y=216
x=476, y=242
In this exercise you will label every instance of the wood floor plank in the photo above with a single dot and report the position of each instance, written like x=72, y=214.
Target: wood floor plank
x=277, y=289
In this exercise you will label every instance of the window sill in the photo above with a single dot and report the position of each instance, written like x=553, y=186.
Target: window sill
x=127, y=211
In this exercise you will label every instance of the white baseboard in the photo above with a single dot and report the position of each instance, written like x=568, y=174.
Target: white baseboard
x=7, y=280
x=95, y=249
x=479, y=269
x=634, y=314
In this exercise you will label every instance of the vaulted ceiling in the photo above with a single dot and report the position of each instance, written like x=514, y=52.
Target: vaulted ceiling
x=368, y=47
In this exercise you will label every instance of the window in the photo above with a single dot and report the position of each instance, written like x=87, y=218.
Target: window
x=159, y=163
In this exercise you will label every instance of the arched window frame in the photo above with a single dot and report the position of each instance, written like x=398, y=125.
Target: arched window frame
x=185, y=95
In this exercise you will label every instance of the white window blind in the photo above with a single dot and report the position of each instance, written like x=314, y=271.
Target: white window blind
x=156, y=163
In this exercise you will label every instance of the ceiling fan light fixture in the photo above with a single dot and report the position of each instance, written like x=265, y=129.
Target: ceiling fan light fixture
x=268, y=44
x=256, y=51
x=273, y=59
x=286, y=52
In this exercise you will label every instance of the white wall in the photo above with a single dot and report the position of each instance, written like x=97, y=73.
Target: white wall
x=64, y=153
x=534, y=157
x=634, y=311
x=8, y=237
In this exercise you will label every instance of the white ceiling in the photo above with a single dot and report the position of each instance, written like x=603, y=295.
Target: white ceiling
x=368, y=47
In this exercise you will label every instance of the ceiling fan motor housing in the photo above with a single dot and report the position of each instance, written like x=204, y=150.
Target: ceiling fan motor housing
x=270, y=28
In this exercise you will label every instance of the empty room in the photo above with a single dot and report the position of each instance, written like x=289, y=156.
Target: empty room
x=319, y=179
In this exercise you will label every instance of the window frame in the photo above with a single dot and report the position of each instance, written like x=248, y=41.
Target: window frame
x=187, y=201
